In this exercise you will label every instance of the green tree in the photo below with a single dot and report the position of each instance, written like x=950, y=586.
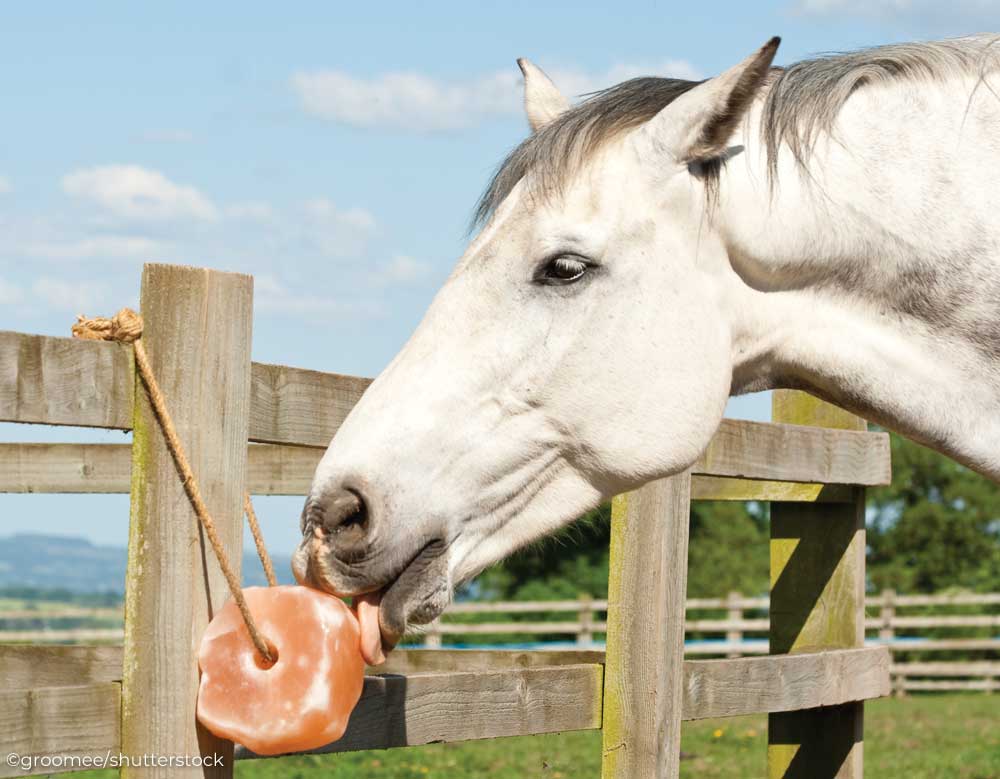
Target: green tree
x=728, y=551
x=937, y=526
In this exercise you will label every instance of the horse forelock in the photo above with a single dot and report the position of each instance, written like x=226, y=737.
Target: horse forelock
x=800, y=104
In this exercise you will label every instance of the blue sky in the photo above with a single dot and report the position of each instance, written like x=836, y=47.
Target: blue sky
x=334, y=150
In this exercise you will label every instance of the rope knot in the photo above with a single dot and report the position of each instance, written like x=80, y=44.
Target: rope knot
x=125, y=327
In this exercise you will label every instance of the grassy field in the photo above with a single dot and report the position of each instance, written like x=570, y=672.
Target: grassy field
x=923, y=737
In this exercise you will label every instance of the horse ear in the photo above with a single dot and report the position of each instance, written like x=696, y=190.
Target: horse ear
x=699, y=124
x=543, y=101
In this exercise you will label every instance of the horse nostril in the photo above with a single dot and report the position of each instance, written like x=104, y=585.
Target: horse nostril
x=342, y=516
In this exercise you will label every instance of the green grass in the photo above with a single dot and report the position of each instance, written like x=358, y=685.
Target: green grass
x=921, y=737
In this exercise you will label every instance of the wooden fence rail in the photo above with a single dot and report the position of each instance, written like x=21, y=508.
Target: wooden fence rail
x=587, y=626
x=815, y=462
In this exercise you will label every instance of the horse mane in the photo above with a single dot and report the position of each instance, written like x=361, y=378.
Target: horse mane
x=800, y=104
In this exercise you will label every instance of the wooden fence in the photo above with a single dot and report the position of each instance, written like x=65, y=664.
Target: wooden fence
x=140, y=698
x=734, y=635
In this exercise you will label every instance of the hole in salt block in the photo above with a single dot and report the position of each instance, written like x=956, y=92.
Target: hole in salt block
x=262, y=662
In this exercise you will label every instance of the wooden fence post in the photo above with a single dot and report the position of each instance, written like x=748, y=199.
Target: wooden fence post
x=887, y=632
x=432, y=638
x=734, y=636
x=817, y=603
x=643, y=673
x=585, y=634
x=197, y=333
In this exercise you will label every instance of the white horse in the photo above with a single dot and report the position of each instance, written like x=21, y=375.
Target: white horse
x=833, y=227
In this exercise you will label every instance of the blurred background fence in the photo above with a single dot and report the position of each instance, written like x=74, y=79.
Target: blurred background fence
x=945, y=641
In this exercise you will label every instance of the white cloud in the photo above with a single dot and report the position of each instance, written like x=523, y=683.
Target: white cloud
x=10, y=294
x=75, y=296
x=5, y=186
x=414, y=101
x=134, y=192
x=575, y=82
x=98, y=247
x=334, y=231
x=401, y=269
x=253, y=211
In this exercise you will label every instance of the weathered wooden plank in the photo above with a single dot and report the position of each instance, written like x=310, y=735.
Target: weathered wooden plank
x=71, y=634
x=281, y=470
x=724, y=488
x=63, y=381
x=643, y=682
x=57, y=729
x=506, y=694
x=787, y=452
x=727, y=648
x=424, y=708
x=951, y=668
x=945, y=645
x=409, y=661
x=783, y=683
x=302, y=407
x=503, y=628
x=197, y=334
x=712, y=688
x=61, y=613
x=74, y=468
x=522, y=607
x=817, y=603
x=950, y=685
x=288, y=470
x=107, y=468
x=27, y=667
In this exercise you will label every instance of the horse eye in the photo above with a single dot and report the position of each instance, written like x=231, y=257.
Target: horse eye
x=563, y=270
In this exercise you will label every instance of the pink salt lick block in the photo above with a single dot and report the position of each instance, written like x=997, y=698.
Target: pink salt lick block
x=301, y=701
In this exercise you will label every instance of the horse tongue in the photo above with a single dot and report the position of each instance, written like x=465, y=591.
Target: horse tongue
x=367, y=607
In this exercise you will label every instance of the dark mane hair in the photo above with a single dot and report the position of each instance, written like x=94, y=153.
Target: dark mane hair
x=801, y=103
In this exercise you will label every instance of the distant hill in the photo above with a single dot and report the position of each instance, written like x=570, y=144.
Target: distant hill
x=75, y=564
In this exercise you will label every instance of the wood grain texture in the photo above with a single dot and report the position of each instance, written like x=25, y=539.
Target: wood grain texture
x=486, y=694
x=63, y=381
x=424, y=708
x=725, y=488
x=783, y=683
x=817, y=603
x=27, y=667
x=107, y=468
x=61, y=468
x=197, y=334
x=787, y=452
x=288, y=470
x=409, y=661
x=302, y=407
x=71, y=723
x=643, y=683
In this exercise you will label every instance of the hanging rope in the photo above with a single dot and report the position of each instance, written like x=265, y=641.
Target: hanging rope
x=126, y=327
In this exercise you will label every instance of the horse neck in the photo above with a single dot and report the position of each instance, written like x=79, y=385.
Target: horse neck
x=872, y=280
